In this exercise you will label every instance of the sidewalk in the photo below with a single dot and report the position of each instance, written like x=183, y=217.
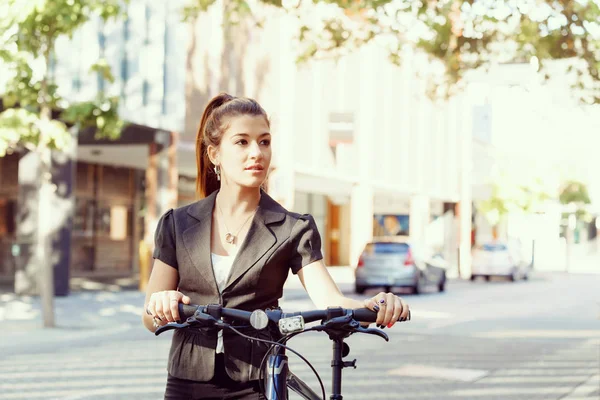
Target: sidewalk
x=582, y=259
x=104, y=308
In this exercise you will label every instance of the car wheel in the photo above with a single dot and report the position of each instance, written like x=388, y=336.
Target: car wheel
x=419, y=286
x=473, y=277
x=360, y=289
x=487, y=278
x=388, y=289
x=442, y=284
x=525, y=276
x=514, y=276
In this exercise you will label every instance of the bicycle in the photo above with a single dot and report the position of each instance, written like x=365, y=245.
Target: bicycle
x=339, y=323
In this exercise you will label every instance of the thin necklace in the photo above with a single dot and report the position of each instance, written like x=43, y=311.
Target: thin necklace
x=230, y=237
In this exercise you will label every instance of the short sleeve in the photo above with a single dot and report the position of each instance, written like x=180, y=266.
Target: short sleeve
x=306, y=243
x=164, y=240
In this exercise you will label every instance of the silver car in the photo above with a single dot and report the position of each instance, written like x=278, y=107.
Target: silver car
x=389, y=264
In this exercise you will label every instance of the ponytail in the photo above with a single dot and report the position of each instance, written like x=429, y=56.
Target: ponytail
x=206, y=179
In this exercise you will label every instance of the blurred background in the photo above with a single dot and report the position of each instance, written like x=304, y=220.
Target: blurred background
x=467, y=130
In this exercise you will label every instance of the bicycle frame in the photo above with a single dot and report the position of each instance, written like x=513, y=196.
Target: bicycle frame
x=280, y=378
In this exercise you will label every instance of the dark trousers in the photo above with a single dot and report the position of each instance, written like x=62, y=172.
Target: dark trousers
x=220, y=387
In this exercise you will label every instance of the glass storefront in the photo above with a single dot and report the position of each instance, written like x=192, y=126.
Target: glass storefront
x=103, y=226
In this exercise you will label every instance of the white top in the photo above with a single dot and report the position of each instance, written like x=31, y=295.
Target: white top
x=221, y=267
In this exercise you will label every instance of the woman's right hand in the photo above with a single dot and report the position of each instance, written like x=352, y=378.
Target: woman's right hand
x=164, y=306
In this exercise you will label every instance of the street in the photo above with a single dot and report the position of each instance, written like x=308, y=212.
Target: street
x=536, y=339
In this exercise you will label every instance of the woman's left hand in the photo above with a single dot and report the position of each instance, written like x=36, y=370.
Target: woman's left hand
x=390, y=309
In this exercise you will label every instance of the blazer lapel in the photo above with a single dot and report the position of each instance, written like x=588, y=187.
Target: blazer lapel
x=197, y=238
x=259, y=239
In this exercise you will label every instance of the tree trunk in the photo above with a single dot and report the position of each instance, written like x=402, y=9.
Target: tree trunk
x=35, y=273
x=43, y=246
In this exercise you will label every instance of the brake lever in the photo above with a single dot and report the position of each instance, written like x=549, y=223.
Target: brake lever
x=373, y=331
x=171, y=326
x=198, y=318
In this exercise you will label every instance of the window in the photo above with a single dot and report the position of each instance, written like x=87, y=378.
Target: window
x=386, y=248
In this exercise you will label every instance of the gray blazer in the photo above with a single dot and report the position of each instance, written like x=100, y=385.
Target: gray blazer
x=277, y=241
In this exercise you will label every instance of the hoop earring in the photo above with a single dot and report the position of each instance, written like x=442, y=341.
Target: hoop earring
x=218, y=172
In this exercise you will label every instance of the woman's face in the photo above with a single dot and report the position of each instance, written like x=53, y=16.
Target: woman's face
x=244, y=154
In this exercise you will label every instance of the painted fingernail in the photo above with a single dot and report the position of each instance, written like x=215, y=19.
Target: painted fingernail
x=390, y=325
x=376, y=308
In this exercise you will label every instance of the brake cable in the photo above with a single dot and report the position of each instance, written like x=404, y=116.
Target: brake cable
x=272, y=343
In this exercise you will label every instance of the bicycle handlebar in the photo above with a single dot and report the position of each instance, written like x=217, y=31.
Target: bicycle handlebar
x=360, y=315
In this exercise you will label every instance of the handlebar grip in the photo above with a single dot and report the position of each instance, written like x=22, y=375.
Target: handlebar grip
x=186, y=310
x=365, y=315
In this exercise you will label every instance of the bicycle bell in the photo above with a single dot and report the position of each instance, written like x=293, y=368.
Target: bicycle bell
x=259, y=319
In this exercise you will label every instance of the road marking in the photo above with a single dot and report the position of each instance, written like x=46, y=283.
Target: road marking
x=557, y=334
x=532, y=379
x=516, y=391
x=586, y=389
x=543, y=371
x=87, y=392
x=427, y=371
x=136, y=380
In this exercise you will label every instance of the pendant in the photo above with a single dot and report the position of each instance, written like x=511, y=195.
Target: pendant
x=229, y=238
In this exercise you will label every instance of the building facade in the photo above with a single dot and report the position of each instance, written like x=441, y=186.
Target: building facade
x=357, y=143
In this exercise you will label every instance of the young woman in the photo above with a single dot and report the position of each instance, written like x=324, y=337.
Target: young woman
x=235, y=247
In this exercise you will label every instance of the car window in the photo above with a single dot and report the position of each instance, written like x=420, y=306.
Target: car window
x=386, y=248
x=494, y=247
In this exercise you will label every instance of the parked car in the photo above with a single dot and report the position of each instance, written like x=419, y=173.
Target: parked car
x=389, y=264
x=498, y=259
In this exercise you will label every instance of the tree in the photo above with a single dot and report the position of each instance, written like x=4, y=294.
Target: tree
x=29, y=30
x=460, y=35
x=509, y=196
x=575, y=194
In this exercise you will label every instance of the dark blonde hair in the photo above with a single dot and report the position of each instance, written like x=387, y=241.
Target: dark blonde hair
x=212, y=127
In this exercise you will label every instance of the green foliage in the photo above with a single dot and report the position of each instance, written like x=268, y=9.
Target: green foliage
x=461, y=34
x=508, y=197
x=574, y=192
x=18, y=126
x=101, y=113
x=29, y=30
x=40, y=22
x=26, y=90
x=195, y=7
x=103, y=69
